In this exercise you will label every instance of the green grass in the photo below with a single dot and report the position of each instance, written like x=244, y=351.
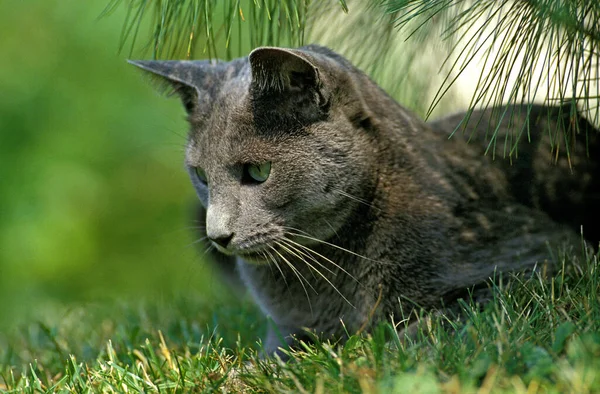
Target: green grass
x=537, y=335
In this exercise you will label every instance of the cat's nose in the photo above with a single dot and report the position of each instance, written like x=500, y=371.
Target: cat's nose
x=222, y=240
x=218, y=228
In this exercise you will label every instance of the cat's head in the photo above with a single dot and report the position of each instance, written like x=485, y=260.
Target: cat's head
x=280, y=144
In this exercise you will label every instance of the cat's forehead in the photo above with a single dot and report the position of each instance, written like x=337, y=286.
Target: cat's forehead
x=230, y=134
x=234, y=128
x=235, y=145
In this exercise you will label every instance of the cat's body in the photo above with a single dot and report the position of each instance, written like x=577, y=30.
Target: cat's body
x=368, y=212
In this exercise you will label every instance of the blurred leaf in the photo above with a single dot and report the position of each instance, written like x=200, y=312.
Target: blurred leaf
x=563, y=332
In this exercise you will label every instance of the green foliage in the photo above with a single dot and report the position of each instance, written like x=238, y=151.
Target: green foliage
x=93, y=199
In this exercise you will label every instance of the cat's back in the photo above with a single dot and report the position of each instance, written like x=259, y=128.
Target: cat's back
x=504, y=157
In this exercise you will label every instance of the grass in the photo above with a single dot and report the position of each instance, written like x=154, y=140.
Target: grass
x=536, y=336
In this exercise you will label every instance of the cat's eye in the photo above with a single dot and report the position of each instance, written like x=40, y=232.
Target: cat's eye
x=201, y=174
x=258, y=172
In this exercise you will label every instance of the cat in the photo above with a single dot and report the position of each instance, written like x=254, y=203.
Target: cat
x=335, y=203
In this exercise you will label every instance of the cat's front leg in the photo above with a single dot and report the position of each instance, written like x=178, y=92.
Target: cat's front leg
x=280, y=338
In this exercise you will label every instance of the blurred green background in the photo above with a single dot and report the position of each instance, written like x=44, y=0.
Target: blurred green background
x=94, y=201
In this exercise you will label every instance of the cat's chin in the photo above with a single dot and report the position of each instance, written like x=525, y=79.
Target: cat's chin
x=254, y=258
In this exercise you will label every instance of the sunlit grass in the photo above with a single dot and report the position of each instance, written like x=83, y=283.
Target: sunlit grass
x=537, y=335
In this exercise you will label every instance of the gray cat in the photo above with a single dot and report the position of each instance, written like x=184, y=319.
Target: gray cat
x=340, y=205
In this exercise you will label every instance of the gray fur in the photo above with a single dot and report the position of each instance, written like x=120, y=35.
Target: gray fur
x=415, y=217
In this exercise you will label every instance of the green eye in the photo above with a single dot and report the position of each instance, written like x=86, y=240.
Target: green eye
x=201, y=174
x=259, y=172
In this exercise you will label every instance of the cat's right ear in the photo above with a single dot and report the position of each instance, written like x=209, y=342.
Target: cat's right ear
x=286, y=83
x=186, y=78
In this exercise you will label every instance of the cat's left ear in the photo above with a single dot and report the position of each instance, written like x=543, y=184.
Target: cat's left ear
x=191, y=80
x=288, y=81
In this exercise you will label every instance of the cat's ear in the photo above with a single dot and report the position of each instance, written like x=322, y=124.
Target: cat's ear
x=280, y=70
x=185, y=78
x=287, y=77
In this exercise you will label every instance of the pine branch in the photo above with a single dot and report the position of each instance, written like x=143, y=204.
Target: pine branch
x=526, y=46
x=211, y=28
x=524, y=49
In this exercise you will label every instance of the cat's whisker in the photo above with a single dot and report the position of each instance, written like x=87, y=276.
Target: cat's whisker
x=199, y=240
x=209, y=249
x=188, y=228
x=294, y=269
x=330, y=244
x=177, y=133
x=299, y=276
x=295, y=229
x=357, y=199
x=313, y=268
x=310, y=252
x=303, y=253
x=274, y=260
x=331, y=227
x=291, y=252
x=271, y=269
